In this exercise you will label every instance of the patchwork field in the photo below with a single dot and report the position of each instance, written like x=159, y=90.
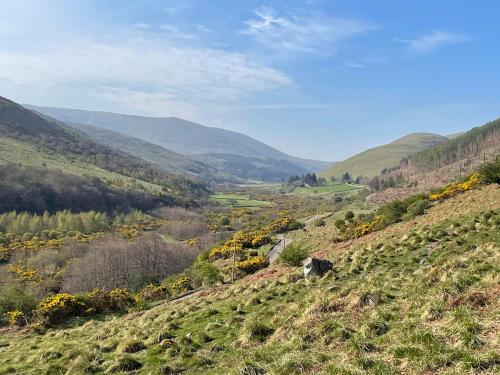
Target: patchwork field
x=328, y=189
x=237, y=200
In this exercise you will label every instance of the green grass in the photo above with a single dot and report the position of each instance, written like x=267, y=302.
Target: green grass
x=17, y=152
x=371, y=162
x=240, y=201
x=418, y=301
x=328, y=189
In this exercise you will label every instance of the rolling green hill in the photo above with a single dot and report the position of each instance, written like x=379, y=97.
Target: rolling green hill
x=371, y=162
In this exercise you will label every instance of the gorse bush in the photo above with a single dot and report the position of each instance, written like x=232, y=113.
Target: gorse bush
x=254, y=239
x=17, y=318
x=454, y=189
x=182, y=285
x=151, y=293
x=253, y=264
x=294, y=254
x=53, y=309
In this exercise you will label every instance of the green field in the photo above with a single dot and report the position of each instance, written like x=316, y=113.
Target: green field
x=330, y=188
x=237, y=200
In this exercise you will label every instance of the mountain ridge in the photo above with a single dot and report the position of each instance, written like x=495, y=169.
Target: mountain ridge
x=182, y=136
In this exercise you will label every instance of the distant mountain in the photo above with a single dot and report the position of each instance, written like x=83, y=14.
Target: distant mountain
x=210, y=167
x=371, y=162
x=179, y=135
x=28, y=139
x=259, y=169
x=166, y=159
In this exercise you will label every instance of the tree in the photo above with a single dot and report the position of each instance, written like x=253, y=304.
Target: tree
x=346, y=177
x=349, y=215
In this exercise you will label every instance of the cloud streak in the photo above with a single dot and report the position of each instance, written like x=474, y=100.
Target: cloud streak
x=302, y=34
x=433, y=41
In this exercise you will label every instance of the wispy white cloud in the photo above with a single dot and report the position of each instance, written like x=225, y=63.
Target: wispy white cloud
x=355, y=65
x=175, y=32
x=148, y=76
x=304, y=34
x=432, y=41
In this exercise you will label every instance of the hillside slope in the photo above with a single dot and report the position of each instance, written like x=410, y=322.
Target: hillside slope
x=28, y=138
x=443, y=163
x=211, y=167
x=179, y=135
x=167, y=159
x=371, y=162
x=419, y=297
x=249, y=168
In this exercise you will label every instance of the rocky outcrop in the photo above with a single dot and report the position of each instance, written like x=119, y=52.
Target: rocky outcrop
x=316, y=267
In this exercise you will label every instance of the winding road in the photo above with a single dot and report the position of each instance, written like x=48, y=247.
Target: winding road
x=276, y=250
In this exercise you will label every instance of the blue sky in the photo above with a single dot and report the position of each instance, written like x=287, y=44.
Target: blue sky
x=318, y=79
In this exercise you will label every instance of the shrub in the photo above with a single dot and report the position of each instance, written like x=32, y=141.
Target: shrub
x=224, y=221
x=490, y=171
x=294, y=254
x=206, y=272
x=151, y=293
x=98, y=301
x=53, y=309
x=16, y=298
x=120, y=299
x=453, y=189
x=182, y=285
x=349, y=215
x=339, y=223
x=253, y=264
x=17, y=318
x=319, y=223
x=416, y=209
x=260, y=240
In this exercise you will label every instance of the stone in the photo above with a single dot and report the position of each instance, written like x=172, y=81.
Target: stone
x=316, y=267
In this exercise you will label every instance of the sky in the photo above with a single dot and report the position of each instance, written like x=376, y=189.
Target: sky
x=321, y=79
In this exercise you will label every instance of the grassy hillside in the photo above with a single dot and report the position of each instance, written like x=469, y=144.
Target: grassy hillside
x=371, y=162
x=166, y=159
x=29, y=138
x=419, y=297
x=179, y=135
x=21, y=153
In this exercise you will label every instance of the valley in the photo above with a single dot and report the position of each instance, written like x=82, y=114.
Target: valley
x=165, y=263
